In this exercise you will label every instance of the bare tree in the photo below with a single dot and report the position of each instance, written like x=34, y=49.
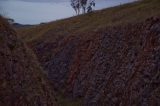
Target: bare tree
x=76, y=6
x=84, y=4
x=91, y=4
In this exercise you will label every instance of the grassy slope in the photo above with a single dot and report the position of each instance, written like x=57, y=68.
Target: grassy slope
x=120, y=15
x=22, y=78
x=124, y=14
x=63, y=101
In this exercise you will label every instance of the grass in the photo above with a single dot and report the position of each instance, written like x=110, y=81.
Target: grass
x=63, y=101
x=3, y=24
x=119, y=15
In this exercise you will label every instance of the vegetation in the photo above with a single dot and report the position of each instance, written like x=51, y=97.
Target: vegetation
x=63, y=101
x=123, y=14
x=84, y=4
x=25, y=82
x=87, y=23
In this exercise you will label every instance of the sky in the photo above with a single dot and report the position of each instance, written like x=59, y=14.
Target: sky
x=44, y=0
x=40, y=11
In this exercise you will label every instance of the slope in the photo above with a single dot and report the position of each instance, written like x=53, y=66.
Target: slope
x=120, y=15
x=109, y=57
x=22, y=82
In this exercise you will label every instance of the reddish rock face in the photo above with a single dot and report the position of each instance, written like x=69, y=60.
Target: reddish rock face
x=22, y=82
x=116, y=66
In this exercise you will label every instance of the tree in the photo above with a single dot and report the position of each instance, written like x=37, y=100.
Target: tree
x=73, y=5
x=76, y=6
x=90, y=6
x=83, y=4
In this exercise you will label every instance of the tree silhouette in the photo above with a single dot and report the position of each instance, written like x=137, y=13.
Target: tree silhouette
x=83, y=4
x=76, y=6
x=90, y=6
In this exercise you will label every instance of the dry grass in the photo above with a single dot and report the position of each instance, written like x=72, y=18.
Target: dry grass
x=3, y=24
x=63, y=101
x=120, y=15
x=124, y=14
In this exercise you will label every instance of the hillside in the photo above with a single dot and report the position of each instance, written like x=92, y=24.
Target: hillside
x=106, y=58
x=124, y=14
x=22, y=81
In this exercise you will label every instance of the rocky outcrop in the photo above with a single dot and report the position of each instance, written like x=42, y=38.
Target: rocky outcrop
x=22, y=82
x=115, y=66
